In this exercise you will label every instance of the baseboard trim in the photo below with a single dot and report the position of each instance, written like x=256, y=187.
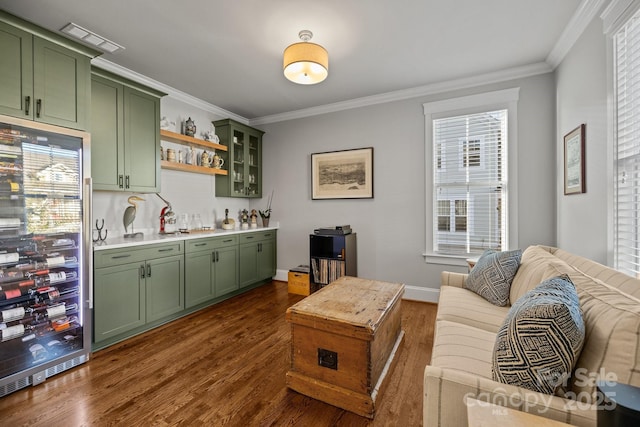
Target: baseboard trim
x=282, y=275
x=418, y=293
x=415, y=293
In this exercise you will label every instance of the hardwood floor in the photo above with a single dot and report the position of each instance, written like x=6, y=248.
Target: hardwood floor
x=224, y=365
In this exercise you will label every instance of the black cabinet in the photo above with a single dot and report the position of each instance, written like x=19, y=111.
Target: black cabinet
x=332, y=256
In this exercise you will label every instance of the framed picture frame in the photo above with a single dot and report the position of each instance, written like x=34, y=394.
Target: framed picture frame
x=345, y=174
x=574, y=161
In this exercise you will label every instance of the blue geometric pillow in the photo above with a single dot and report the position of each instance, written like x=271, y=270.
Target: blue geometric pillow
x=492, y=275
x=541, y=338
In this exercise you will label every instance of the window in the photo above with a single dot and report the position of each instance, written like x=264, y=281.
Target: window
x=626, y=194
x=471, y=152
x=467, y=174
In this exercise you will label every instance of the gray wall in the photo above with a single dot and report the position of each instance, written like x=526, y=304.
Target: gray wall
x=581, y=81
x=391, y=226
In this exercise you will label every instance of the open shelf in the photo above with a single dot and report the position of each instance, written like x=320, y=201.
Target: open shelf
x=166, y=135
x=191, y=168
x=189, y=140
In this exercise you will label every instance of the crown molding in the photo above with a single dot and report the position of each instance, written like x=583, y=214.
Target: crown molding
x=584, y=14
x=399, y=95
x=172, y=92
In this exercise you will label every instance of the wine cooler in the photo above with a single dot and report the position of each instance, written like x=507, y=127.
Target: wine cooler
x=45, y=261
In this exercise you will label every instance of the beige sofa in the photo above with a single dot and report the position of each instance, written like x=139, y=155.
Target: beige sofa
x=465, y=333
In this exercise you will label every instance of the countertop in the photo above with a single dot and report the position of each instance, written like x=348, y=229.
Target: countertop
x=155, y=237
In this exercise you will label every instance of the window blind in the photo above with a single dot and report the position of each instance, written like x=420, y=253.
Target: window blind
x=469, y=183
x=627, y=147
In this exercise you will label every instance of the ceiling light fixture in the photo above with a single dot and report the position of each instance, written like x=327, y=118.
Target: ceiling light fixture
x=91, y=38
x=306, y=63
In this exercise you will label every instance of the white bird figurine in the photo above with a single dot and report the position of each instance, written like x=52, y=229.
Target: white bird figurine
x=130, y=215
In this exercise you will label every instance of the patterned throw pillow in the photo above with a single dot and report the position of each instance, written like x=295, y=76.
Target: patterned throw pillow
x=492, y=275
x=540, y=340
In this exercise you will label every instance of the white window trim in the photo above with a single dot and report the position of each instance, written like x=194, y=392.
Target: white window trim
x=613, y=18
x=507, y=98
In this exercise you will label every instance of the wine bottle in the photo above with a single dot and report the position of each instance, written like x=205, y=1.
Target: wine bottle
x=11, y=275
x=12, y=314
x=58, y=276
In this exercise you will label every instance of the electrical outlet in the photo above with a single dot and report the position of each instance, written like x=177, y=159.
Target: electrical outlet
x=328, y=359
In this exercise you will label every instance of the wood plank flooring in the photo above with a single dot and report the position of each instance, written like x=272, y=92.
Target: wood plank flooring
x=222, y=366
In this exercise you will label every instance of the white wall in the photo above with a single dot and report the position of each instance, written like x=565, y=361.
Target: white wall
x=391, y=226
x=582, y=98
x=187, y=192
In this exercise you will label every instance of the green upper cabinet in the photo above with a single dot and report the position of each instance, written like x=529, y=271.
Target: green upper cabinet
x=125, y=134
x=244, y=160
x=46, y=79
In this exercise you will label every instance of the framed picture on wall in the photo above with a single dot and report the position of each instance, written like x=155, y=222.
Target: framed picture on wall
x=346, y=174
x=574, y=164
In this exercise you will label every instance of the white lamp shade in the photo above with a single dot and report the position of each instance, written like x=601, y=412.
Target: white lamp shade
x=306, y=63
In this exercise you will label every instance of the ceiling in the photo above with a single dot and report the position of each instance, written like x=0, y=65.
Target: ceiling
x=229, y=53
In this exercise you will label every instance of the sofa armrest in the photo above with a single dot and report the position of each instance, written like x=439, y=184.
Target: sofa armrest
x=446, y=390
x=450, y=278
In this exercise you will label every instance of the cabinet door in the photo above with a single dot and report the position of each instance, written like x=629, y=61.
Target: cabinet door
x=226, y=270
x=266, y=259
x=142, y=141
x=107, y=134
x=16, y=72
x=254, y=163
x=248, y=264
x=61, y=85
x=165, y=286
x=199, y=278
x=119, y=300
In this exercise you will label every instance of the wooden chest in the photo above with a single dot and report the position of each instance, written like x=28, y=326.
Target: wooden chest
x=343, y=341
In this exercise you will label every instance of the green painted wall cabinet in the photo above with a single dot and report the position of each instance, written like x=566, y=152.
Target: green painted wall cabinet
x=243, y=160
x=43, y=77
x=125, y=134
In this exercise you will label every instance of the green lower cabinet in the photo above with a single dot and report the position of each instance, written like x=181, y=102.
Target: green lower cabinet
x=119, y=300
x=226, y=271
x=211, y=269
x=140, y=287
x=257, y=257
x=164, y=287
x=134, y=287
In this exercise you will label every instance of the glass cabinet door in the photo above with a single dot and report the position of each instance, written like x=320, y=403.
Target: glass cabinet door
x=239, y=178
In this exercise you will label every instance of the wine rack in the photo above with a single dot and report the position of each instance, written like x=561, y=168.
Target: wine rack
x=41, y=292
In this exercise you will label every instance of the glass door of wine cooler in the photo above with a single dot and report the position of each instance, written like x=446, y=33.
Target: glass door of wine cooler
x=43, y=271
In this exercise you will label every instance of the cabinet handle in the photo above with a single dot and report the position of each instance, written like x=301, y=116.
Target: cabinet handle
x=165, y=250
x=213, y=256
x=148, y=270
x=120, y=178
x=267, y=235
x=249, y=237
x=200, y=244
x=217, y=256
x=142, y=276
x=27, y=105
x=227, y=241
x=38, y=107
x=127, y=181
x=120, y=256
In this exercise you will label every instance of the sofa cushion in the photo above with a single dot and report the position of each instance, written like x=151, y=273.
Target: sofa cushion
x=612, y=342
x=463, y=348
x=536, y=266
x=492, y=275
x=461, y=306
x=541, y=338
